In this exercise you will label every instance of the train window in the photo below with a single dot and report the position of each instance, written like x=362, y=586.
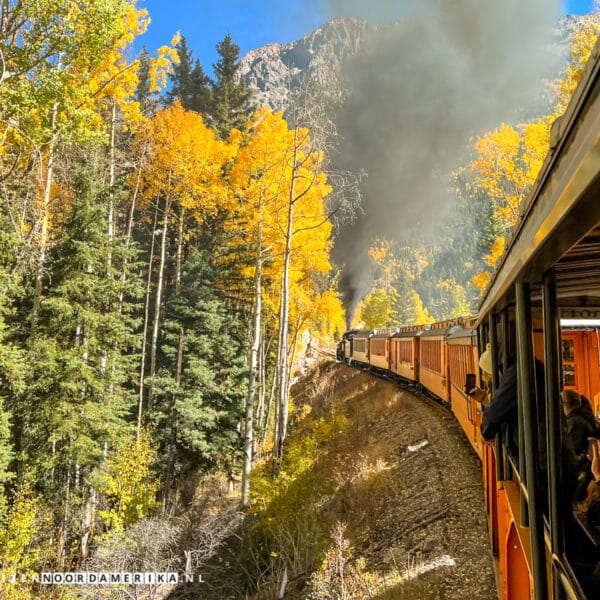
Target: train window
x=569, y=375
x=360, y=345
x=406, y=351
x=568, y=350
x=568, y=363
x=431, y=355
x=378, y=347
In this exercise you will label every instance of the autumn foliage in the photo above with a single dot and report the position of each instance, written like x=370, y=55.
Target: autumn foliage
x=508, y=159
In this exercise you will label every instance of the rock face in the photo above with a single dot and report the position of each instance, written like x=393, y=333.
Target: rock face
x=275, y=71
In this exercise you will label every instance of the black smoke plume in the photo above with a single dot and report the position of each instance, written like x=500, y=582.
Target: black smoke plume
x=443, y=72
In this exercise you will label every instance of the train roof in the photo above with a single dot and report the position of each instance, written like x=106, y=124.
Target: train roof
x=381, y=334
x=408, y=333
x=363, y=334
x=560, y=224
x=461, y=332
x=437, y=331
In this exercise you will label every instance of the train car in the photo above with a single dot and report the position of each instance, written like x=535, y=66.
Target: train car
x=548, y=280
x=404, y=353
x=379, y=350
x=463, y=360
x=434, y=371
x=360, y=347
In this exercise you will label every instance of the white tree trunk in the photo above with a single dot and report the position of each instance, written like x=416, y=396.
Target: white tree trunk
x=159, y=293
x=41, y=263
x=281, y=384
x=252, y=377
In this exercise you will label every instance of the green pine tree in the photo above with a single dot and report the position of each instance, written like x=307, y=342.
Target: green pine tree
x=199, y=387
x=181, y=76
x=12, y=363
x=231, y=105
x=200, y=98
x=407, y=306
x=190, y=84
x=77, y=402
x=147, y=99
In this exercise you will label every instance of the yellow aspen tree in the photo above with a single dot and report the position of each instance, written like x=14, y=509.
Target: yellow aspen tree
x=280, y=193
x=509, y=159
x=506, y=166
x=582, y=42
x=376, y=310
x=249, y=177
x=303, y=188
x=328, y=315
x=182, y=175
x=128, y=484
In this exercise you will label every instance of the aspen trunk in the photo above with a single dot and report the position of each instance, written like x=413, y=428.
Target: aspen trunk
x=252, y=377
x=282, y=350
x=260, y=408
x=111, y=183
x=130, y=223
x=269, y=408
x=292, y=352
x=87, y=524
x=145, y=327
x=179, y=258
x=39, y=273
x=159, y=293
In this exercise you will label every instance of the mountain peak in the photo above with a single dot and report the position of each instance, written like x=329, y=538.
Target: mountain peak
x=274, y=70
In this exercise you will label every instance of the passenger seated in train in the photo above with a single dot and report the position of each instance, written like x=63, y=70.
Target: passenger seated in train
x=578, y=427
x=591, y=503
x=585, y=557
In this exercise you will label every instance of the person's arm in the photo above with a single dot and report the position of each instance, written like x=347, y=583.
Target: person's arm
x=593, y=488
x=503, y=404
x=595, y=459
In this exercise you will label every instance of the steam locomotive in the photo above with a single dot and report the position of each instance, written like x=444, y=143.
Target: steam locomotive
x=543, y=303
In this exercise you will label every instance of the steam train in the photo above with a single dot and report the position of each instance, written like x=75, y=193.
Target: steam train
x=543, y=303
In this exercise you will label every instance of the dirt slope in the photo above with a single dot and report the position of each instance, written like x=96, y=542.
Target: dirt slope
x=386, y=502
x=422, y=504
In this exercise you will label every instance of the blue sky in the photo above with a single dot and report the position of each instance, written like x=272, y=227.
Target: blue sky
x=251, y=23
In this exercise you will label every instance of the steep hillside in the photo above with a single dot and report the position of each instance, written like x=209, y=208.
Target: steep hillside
x=379, y=496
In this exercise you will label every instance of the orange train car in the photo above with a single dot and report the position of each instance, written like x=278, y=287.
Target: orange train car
x=463, y=359
x=434, y=370
x=543, y=302
x=360, y=347
x=379, y=350
x=404, y=353
x=451, y=353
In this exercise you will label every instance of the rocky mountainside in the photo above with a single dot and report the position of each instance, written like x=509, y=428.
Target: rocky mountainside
x=275, y=70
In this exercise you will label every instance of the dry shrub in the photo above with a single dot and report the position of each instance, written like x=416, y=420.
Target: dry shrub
x=341, y=576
